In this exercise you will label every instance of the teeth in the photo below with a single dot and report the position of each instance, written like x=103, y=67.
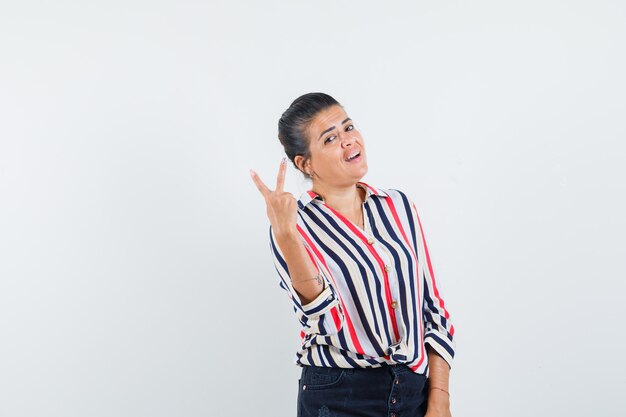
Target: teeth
x=353, y=155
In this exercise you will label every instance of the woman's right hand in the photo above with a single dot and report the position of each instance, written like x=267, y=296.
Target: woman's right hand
x=282, y=206
x=282, y=210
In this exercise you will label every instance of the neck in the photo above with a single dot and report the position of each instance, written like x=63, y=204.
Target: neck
x=344, y=199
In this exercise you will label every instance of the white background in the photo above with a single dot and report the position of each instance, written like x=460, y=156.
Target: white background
x=135, y=272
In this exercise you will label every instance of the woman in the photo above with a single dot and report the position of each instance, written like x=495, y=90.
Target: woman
x=376, y=337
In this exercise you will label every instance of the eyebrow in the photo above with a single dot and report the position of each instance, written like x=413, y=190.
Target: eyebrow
x=331, y=128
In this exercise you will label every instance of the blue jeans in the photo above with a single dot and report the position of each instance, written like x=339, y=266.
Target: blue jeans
x=388, y=391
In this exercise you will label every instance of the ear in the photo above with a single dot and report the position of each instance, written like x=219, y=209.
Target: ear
x=301, y=163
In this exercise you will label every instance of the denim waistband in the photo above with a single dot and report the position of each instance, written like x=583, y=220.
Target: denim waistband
x=396, y=369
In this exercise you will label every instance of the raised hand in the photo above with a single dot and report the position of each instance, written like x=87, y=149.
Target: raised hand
x=282, y=207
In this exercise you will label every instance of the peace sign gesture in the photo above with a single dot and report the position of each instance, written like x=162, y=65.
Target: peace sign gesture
x=281, y=206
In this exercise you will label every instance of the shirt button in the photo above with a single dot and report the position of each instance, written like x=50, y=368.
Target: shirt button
x=370, y=241
x=303, y=387
x=394, y=304
x=393, y=400
x=393, y=414
x=387, y=268
x=397, y=381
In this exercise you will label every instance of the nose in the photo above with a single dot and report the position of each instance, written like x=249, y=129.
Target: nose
x=347, y=139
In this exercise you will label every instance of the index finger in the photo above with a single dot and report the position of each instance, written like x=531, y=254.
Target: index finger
x=280, y=181
x=260, y=184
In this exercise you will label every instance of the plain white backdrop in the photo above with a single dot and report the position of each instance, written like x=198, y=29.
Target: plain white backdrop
x=135, y=272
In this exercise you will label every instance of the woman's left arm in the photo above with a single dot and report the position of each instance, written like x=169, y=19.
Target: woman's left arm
x=438, y=390
x=439, y=335
x=439, y=330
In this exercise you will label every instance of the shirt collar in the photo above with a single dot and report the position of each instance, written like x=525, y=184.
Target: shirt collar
x=309, y=195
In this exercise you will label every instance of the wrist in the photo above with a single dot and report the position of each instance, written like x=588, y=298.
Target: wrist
x=438, y=395
x=287, y=236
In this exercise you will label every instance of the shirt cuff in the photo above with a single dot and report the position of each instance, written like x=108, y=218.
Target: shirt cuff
x=443, y=346
x=322, y=303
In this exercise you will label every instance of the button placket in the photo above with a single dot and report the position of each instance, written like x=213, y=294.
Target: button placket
x=392, y=278
x=387, y=269
x=395, y=394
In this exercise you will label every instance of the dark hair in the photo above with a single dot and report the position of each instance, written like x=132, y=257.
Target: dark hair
x=294, y=122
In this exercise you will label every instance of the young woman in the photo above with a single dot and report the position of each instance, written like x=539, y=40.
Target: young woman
x=377, y=339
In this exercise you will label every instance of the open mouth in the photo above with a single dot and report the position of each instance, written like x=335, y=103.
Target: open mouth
x=353, y=156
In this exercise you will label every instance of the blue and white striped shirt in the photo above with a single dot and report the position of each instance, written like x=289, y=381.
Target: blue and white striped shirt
x=381, y=303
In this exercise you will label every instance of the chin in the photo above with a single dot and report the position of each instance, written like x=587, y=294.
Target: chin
x=362, y=174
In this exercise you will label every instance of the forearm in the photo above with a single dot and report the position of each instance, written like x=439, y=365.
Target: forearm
x=302, y=270
x=439, y=375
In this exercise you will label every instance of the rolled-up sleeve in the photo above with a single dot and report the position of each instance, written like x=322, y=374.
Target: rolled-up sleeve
x=439, y=330
x=322, y=304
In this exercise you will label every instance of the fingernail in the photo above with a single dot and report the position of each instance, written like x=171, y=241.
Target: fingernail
x=251, y=173
x=284, y=160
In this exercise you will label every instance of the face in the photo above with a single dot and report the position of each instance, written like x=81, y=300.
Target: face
x=333, y=140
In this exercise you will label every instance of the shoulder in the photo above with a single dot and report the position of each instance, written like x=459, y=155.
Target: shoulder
x=398, y=195
x=402, y=201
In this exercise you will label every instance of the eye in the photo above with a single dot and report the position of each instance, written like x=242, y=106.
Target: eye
x=328, y=139
x=349, y=128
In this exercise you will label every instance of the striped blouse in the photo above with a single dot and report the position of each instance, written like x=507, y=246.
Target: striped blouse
x=381, y=302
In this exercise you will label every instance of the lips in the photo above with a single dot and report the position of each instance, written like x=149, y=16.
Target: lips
x=351, y=155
